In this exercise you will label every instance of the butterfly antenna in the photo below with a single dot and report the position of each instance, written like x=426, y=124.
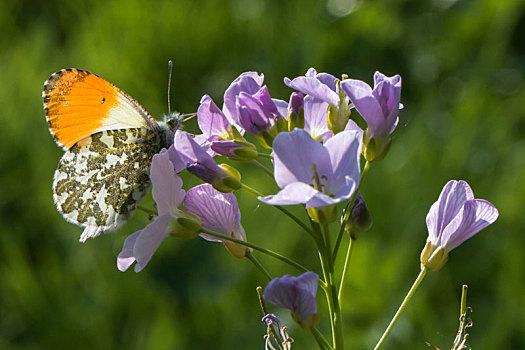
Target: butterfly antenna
x=170, y=68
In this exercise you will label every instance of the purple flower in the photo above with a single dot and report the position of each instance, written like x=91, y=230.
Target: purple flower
x=453, y=218
x=315, y=174
x=257, y=112
x=222, y=137
x=296, y=294
x=168, y=194
x=186, y=153
x=219, y=212
x=322, y=86
x=378, y=107
x=326, y=88
x=212, y=121
x=249, y=83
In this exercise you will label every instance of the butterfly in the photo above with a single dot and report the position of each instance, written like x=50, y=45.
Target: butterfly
x=109, y=141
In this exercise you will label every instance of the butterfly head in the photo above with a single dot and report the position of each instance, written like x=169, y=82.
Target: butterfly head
x=170, y=125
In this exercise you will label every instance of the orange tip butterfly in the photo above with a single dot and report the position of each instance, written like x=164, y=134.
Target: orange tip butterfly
x=109, y=140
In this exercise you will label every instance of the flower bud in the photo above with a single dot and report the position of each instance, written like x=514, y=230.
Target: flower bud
x=360, y=219
x=296, y=111
x=185, y=225
x=229, y=181
x=237, y=150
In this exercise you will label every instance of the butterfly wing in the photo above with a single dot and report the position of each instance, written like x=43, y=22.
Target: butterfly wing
x=100, y=180
x=109, y=141
x=79, y=104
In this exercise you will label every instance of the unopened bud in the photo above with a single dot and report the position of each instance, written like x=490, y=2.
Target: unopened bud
x=237, y=150
x=360, y=219
x=229, y=181
x=296, y=111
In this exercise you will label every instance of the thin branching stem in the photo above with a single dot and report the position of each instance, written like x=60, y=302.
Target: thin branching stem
x=402, y=306
x=259, y=248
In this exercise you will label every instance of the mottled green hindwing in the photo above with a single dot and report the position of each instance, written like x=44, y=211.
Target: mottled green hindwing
x=100, y=180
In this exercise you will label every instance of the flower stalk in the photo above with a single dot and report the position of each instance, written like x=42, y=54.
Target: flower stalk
x=409, y=296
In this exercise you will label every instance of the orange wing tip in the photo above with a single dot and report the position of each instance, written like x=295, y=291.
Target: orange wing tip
x=77, y=104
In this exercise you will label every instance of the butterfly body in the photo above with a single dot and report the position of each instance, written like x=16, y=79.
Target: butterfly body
x=109, y=141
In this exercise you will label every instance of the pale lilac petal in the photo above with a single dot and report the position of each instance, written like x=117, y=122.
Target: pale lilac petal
x=196, y=159
x=219, y=212
x=345, y=150
x=364, y=101
x=474, y=216
x=149, y=240
x=167, y=187
x=293, y=193
x=205, y=144
x=352, y=126
x=315, y=88
x=294, y=293
x=315, y=118
x=252, y=116
x=281, y=292
x=311, y=72
x=211, y=120
x=249, y=82
x=282, y=107
x=126, y=258
x=308, y=281
x=328, y=79
x=450, y=201
x=178, y=163
x=294, y=154
x=263, y=96
x=343, y=192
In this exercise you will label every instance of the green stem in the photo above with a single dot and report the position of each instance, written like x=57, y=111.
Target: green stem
x=258, y=265
x=293, y=217
x=269, y=156
x=411, y=292
x=349, y=209
x=331, y=295
x=149, y=211
x=259, y=248
x=323, y=343
x=337, y=317
x=343, y=276
x=321, y=247
x=263, y=167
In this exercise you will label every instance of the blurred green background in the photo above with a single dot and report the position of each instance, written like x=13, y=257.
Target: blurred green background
x=463, y=66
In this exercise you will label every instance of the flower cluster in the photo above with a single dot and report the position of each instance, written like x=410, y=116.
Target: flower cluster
x=315, y=147
x=316, y=154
